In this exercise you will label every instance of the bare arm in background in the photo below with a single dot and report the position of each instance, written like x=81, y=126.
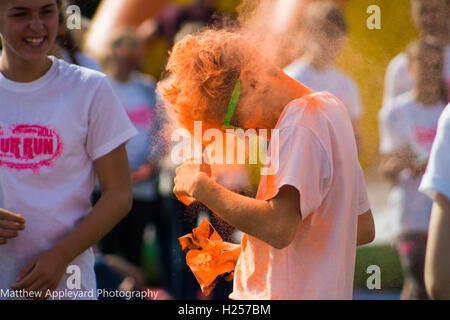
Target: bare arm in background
x=437, y=261
x=45, y=271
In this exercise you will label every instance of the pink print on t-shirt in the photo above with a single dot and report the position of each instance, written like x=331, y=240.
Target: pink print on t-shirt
x=425, y=135
x=141, y=116
x=29, y=147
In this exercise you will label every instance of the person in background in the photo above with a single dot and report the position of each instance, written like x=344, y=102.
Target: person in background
x=436, y=184
x=173, y=18
x=325, y=30
x=68, y=44
x=408, y=128
x=431, y=18
x=137, y=94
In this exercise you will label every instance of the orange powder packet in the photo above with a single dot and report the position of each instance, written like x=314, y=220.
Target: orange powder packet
x=208, y=256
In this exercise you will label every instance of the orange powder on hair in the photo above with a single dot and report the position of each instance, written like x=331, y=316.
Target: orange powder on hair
x=204, y=68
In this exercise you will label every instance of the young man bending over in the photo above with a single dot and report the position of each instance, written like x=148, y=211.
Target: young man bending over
x=301, y=231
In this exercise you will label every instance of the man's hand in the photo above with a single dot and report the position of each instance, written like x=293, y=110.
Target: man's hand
x=185, y=181
x=10, y=225
x=42, y=273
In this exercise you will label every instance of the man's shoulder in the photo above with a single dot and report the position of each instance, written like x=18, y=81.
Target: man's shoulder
x=313, y=110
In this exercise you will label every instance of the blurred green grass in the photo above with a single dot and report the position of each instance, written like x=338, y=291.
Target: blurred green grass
x=383, y=255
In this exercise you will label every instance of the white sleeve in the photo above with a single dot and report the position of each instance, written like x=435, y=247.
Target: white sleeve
x=305, y=165
x=391, y=136
x=109, y=125
x=437, y=175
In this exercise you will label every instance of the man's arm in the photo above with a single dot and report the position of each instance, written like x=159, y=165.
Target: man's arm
x=366, y=228
x=46, y=269
x=274, y=221
x=437, y=261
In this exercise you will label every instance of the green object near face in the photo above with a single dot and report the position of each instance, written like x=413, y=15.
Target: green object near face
x=232, y=105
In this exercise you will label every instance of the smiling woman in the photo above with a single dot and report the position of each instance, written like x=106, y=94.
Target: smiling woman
x=28, y=30
x=55, y=134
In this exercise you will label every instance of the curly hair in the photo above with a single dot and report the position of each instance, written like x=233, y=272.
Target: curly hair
x=204, y=69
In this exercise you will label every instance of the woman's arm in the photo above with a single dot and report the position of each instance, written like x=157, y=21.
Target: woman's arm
x=45, y=270
x=437, y=262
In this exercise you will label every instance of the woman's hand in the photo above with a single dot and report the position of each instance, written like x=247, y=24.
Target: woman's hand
x=10, y=225
x=42, y=273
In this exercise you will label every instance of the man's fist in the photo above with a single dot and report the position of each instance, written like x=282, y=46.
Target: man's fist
x=186, y=178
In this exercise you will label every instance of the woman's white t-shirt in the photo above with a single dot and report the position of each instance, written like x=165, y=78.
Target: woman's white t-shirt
x=51, y=131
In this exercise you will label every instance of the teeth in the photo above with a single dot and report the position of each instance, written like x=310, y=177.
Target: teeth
x=35, y=41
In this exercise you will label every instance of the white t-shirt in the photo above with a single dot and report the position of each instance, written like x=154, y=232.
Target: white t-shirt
x=331, y=80
x=398, y=79
x=437, y=175
x=139, y=99
x=407, y=123
x=317, y=155
x=51, y=131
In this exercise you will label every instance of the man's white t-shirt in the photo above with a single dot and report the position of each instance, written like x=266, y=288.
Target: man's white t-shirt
x=51, y=131
x=331, y=80
x=437, y=175
x=407, y=123
x=316, y=153
x=398, y=79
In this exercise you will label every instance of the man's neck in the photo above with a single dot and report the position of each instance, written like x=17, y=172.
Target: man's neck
x=20, y=70
x=291, y=90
